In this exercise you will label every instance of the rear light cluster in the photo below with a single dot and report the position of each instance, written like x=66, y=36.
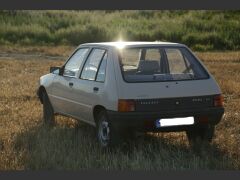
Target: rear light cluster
x=126, y=105
x=218, y=101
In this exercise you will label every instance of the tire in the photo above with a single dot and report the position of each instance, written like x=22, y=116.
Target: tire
x=199, y=136
x=107, y=134
x=48, y=112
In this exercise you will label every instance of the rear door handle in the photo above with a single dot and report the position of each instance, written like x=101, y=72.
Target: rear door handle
x=71, y=84
x=95, y=89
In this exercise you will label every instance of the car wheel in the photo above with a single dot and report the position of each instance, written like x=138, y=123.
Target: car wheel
x=107, y=135
x=198, y=136
x=48, y=112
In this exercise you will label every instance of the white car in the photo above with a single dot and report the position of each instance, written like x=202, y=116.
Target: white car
x=122, y=87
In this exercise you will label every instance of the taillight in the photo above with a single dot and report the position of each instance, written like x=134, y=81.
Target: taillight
x=218, y=101
x=125, y=105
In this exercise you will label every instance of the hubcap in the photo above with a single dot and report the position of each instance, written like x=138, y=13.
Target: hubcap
x=103, y=132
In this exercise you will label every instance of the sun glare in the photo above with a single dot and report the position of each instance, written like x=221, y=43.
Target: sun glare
x=120, y=44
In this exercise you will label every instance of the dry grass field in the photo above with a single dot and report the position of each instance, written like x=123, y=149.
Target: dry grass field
x=26, y=144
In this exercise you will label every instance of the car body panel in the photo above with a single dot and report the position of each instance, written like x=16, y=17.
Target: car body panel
x=46, y=82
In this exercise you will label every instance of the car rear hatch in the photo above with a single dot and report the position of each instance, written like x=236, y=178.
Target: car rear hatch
x=164, y=78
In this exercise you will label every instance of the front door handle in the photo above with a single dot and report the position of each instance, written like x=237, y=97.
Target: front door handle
x=95, y=89
x=71, y=84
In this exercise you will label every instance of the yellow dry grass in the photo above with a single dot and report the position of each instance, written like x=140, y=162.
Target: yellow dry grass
x=26, y=144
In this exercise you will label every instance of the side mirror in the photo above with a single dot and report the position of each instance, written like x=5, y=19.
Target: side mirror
x=56, y=70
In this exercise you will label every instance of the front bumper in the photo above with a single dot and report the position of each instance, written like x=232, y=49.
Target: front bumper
x=146, y=120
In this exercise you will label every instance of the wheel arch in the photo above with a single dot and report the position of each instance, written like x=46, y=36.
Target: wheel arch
x=40, y=91
x=96, y=110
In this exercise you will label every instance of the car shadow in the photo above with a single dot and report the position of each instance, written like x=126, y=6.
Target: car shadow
x=66, y=147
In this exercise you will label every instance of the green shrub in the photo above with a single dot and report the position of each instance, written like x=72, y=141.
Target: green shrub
x=202, y=30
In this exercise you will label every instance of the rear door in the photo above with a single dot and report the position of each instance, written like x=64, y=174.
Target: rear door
x=88, y=88
x=61, y=96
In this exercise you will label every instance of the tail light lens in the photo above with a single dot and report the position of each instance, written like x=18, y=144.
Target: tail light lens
x=126, y=105
x=218, y=101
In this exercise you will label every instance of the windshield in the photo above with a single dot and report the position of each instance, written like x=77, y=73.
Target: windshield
x=159, y=64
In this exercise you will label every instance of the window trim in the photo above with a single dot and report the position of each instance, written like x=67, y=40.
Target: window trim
x=92, y=48
x=100, y=66
x=69, y=58
x=179, y=47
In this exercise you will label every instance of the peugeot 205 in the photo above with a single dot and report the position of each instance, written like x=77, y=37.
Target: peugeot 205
x=121, y=87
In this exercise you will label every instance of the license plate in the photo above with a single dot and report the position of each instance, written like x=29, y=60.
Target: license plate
x=174, y=122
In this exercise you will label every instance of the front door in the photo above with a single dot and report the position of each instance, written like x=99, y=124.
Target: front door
x=61, y=96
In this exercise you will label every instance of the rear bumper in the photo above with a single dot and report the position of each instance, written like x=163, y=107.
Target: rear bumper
x=146, y=120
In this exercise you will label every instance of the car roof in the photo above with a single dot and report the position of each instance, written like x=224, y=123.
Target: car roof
x=132, y=43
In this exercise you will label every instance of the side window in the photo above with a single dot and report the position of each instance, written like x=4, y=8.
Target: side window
x=74, y=63
x=102, y=70
x=91, y=66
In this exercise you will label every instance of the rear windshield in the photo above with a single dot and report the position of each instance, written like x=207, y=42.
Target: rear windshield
x=159, y=64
